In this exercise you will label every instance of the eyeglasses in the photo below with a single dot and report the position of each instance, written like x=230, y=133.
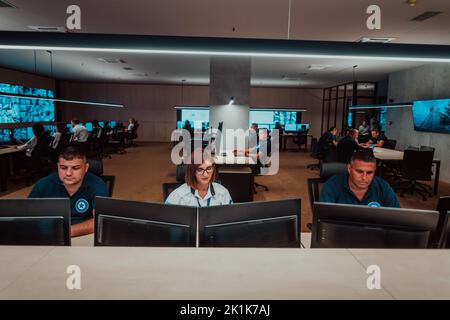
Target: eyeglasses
x=202, y=171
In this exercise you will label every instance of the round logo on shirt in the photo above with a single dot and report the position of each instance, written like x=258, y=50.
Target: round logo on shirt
x=374, y=204
x=81, y=205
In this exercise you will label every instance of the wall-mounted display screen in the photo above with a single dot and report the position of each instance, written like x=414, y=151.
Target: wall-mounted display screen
x=20, y=110
x=198, y=118
x=5, y=135
x=432, y=115
x=268, y=118
x=23, y=134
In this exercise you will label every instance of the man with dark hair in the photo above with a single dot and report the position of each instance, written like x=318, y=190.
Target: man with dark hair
x=378, y=139
x=80, y=133
x=75, y=182
x=347, y=146
x=359, y=185
x=327, y=141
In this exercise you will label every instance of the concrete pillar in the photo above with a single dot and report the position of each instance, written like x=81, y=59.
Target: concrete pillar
x=229, y=77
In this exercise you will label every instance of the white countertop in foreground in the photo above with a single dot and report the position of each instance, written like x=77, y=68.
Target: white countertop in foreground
x=215, y=273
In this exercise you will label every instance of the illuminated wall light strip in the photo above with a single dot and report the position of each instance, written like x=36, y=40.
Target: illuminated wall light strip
x=380, y=106
x=224, y=53
x=64, y=101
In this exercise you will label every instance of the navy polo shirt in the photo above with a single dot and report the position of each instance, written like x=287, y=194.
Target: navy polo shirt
x=81, y=202
x=379, y=194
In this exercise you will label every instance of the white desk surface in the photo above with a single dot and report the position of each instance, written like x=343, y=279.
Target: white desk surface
x=387, y=154
x=215, y=273
x=9, y=149
x=230, y=158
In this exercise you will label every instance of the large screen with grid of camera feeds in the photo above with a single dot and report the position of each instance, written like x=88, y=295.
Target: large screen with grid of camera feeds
x=22, y=110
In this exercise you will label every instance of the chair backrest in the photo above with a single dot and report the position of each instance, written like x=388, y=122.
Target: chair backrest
x=329, y=169
x=443, y=207
x=96, y=166
x=110, y=182
x=417, y=164
x=168, y=187
x=180, y=172
x=314, y=148
x=315, y=186
x=390, y=144
x=238, y=181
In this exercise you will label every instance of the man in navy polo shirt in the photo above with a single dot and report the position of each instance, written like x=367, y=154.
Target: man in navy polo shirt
x=75, y=182
x=359, y=185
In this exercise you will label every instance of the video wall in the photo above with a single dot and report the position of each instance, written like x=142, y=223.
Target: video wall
x=198, y=118
x=267, y=119
x=23, y=110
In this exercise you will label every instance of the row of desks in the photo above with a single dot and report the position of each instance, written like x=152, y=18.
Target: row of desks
x=219, y=273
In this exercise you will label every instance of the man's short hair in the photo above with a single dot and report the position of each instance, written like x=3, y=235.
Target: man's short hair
x=376, y=130
x=76, y=121
x=365, y=155
x=254, y=125
x=352, y=130
x=332, y=128
x=72, y=152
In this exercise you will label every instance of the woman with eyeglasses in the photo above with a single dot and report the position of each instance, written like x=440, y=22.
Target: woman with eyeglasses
x=200, y=190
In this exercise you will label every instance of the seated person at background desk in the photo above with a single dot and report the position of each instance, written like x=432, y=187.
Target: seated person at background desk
x=261, y=151
x=360, y=186
x=200, y=190
x=38, y=133
x=75, y=182
x=347, y=146
x=327, y=141
x=364, y=129
x=378, y=139
x=80, y=133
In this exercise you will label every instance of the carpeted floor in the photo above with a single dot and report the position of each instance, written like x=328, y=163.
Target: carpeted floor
x=141, y=171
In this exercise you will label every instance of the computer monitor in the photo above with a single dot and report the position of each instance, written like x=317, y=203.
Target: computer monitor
x=354, y=226
x=35, y=222
x=112, y=124
x=101, y=124
x=50, y=128
x=5, y=136
x=303, y=127
x=88, y=126
x=268, y=224
x=133, y=223
x=23, y=134
x=291, y=127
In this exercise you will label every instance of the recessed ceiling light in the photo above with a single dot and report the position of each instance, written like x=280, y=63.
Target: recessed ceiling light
x=127, y=68
x=111, y=60
x=376, y=39
x=47, y=29
x=316, y=67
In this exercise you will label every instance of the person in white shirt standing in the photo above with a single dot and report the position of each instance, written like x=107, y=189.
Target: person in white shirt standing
x=80, y=133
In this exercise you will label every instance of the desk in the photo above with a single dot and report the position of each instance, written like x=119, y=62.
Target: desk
x=384, y=154
x=5, y=156
x=221, y=273
x=291, y=136
x=228, y=158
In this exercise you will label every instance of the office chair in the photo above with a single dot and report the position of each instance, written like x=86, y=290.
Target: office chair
x=132, y=135
x=390, y=144
x=443, y=207
x=329, y=169
x=416, y=165
x=315, y=186
x=239, y=181
x=314, y=155
x=180, y=172
x=168, y=187
x=96, y=167
x=301, y=140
